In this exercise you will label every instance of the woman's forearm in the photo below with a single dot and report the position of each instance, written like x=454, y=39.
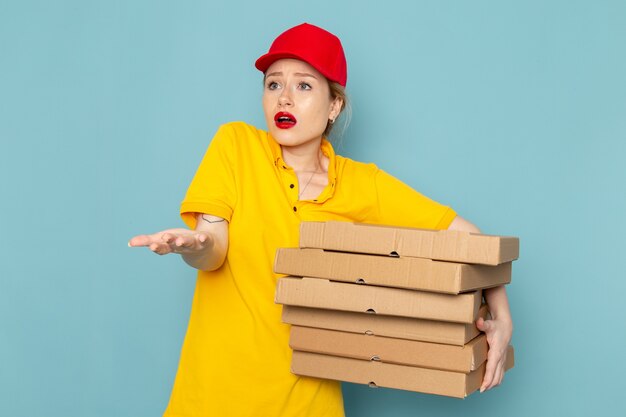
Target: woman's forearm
x=499, y=304
x=208, y=259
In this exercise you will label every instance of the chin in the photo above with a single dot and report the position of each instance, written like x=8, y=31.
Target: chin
x=290, y=137
x=282, y=141
x=282, y=136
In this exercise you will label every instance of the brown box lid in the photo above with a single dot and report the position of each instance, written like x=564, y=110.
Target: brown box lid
x=400, y=272
x=465, y=358
x=321, y=293
x=445, y=245
x=389, y=326
x=389, y=375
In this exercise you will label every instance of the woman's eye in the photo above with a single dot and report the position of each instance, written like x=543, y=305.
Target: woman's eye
x=272, y=85
x=304, y=86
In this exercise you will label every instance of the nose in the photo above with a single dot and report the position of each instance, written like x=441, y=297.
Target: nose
x=285, y=98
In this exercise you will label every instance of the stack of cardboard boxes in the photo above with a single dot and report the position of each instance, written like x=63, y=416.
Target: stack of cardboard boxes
x=391, y=307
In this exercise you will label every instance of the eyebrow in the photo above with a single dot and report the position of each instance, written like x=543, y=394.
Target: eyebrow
x=300, y=74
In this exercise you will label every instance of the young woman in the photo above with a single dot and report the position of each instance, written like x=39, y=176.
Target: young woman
x=248, y=197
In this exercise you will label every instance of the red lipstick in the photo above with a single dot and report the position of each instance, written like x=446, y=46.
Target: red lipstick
x=284, y=120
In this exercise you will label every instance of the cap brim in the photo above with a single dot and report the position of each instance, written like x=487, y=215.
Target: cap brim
x=265, y=61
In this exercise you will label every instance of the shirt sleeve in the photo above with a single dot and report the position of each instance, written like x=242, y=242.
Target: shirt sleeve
x=401, y=205
x=213, y=188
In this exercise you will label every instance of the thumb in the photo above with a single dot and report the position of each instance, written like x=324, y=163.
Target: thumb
x=483, y=325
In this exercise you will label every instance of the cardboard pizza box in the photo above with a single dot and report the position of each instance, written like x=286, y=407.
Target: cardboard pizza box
x=320, y=293
x=389, y=326
x=445, y=245
x=389, y=375
x=464, y=358
x=399, y=272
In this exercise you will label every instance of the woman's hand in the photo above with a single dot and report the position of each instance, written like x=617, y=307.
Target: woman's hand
x=181, y=241
x=498, y=337
x=204, y=248
x=499, y=329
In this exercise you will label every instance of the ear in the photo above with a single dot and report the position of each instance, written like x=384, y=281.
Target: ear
x=335, y=108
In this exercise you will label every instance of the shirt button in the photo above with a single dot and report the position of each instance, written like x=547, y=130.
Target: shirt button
x=295, y=209
x=291, y=185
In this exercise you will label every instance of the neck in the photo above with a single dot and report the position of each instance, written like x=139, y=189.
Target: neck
x=306, y=157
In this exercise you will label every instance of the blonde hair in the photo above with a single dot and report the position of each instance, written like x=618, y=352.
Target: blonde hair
x=345, y=113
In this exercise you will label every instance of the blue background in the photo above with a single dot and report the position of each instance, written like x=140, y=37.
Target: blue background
x=514, y=113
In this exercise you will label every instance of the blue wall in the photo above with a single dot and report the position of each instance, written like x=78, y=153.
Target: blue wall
x=514, y=113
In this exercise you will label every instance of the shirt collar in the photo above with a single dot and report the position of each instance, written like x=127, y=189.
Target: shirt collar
x=327, y=149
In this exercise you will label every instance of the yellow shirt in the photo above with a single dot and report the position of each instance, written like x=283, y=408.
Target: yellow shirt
x=235, y=359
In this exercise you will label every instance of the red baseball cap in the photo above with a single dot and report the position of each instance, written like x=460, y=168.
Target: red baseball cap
x=313, y=45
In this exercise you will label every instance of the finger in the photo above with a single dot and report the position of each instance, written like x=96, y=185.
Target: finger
x=184, y=241
x=160, y=248
x=494, y=369
x=498, y=375
x=501, y=368
x=140, y=240
x=480, y=322
x=490, y=370
x=484, y=325
x=195, y=241
x=487, y=379
x=168, y=237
